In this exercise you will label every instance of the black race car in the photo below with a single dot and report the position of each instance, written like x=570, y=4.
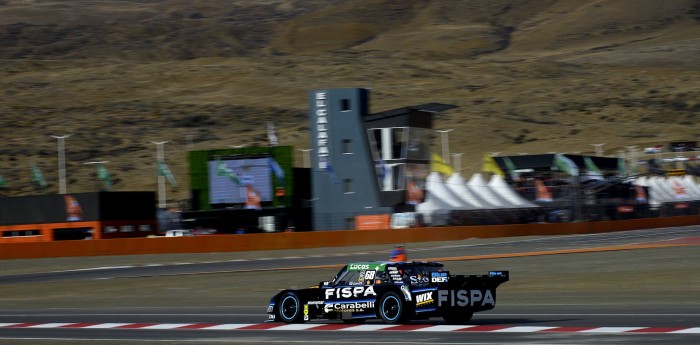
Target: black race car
x=395, y=292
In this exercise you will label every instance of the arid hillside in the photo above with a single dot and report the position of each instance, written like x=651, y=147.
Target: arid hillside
x=527, y=76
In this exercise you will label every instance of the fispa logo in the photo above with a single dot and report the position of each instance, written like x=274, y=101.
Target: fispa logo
x=424, y=298
x=348, y=292
x=439, y=277
x=348, y=307
x=464, y=298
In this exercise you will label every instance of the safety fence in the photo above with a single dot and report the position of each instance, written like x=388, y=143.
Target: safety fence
x=313, y=239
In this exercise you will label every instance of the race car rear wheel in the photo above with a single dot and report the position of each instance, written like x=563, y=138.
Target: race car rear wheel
x=391, y=308
x=457, y=317
x=290, y=309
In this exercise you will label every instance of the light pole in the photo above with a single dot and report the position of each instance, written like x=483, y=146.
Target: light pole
x=305, y=157
x=598, y=149
x=160, y=158
x=97, y=179
x=445, y=144
x=632, y=158
x=61, y=162
x=457, y=162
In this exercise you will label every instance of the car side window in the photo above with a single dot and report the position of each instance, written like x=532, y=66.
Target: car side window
x=380, y=278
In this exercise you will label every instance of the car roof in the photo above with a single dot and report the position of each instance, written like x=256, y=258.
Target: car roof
x=381, y=265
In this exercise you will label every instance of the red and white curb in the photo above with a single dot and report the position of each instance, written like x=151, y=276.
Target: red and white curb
x=354, y=328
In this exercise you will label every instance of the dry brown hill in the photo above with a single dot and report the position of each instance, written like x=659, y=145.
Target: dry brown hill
x=528, y=76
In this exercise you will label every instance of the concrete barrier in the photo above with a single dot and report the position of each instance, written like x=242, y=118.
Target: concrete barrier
x=300, y=240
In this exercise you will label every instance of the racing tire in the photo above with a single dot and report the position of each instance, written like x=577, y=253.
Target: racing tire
x=457, y=317
x=290, y=309
x=391, y=308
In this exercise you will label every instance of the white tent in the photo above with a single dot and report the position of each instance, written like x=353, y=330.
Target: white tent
x=691, y=186
x=678, y=189
x=481, y=189
x=660, y=190
x=458, y=186
x=435, y=185
x=641, y=181
x=438, y=201
x=500, y=187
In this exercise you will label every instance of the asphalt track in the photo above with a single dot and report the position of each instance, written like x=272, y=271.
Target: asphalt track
x=539, y=323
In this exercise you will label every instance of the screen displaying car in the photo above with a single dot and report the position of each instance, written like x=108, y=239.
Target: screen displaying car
x=394, y=292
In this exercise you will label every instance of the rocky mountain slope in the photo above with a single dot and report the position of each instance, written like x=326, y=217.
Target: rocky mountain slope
x=529, y=76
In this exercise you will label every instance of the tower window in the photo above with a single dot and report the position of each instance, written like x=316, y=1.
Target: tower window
x=344, y=104
x=347, y=186
x=347, y=146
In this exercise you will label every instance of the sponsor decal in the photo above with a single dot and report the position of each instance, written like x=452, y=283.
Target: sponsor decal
x=315, y=303
x=350, y=292
x=348, y=307
x=406, y=292
x=419, y=279
x=369, y=275
x=270, y=308
x=271, y=317
x=306, y=312
x=439, y=277
x=464, y=298
x=365, y=267
x=424, y=298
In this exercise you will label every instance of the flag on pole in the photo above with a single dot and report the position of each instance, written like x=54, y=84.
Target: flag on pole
x=163, y=170
x=103, y=175
x=563, y=163
x=511, y=168
x=489, y=165
x=38, y=177
x=277, y=170
x=271, y=134
x=438, y=164
x=592, y=170
x=621, y=167
x=223, y=170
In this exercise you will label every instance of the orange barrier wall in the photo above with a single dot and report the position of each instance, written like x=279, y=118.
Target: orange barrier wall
x=372, y=222
x=297, y=240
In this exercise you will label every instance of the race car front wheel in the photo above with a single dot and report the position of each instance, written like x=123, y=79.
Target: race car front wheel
x=391, y=308
x=290, y=308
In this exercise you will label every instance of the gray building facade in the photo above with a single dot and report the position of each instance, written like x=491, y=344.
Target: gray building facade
x=362, y=163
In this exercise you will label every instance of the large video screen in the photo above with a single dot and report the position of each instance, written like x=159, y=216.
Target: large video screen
x=230, y=179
